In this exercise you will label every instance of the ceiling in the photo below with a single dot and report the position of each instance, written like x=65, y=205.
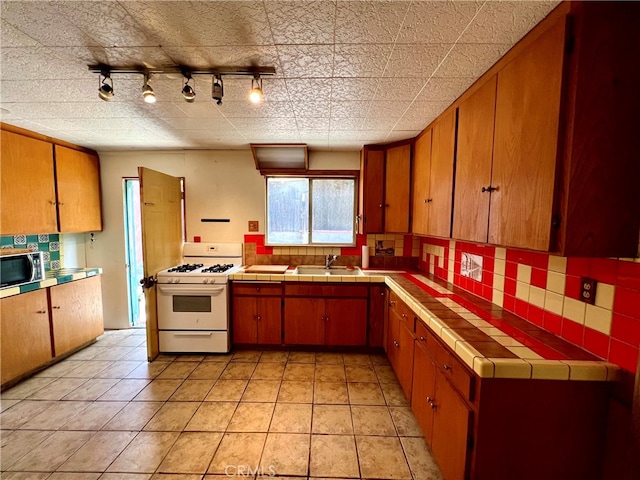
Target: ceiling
x=348, y=73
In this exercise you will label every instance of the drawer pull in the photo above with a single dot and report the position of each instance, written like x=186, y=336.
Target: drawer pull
x=41, y=311
x=396, y=344
x=433, y=405
x=258, y=317
x=392, y=303
x=56, y=307
x=447, y=367
x=422, y=339
x=404, y=315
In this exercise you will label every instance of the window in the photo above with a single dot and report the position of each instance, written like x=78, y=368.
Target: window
x=310, y=211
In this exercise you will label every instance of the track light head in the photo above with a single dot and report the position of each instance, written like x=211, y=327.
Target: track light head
x=147, y=92
x=105, y=91
x=188, y=92
x=217, y=89
x=255, y=95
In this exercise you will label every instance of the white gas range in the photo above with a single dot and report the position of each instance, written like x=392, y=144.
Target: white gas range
x=193, y=299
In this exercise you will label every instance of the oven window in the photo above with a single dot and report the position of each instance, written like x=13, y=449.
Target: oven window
x=192, y=303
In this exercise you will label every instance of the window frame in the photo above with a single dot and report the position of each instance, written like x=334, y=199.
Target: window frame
x=331, y=175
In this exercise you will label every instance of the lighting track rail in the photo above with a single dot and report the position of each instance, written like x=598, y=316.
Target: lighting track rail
x=106, y=90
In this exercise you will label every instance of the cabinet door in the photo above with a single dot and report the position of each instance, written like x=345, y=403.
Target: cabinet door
x=404, y=372
x=304, y=321
x=393, y=326
x=346, y=321
x=269, y=319
x=244, y=320
x=76, y=313
x=526, y=143
x=371, y=191
x=377, y=302
x=28, y=187
x=78, y=186
x=26, y=338
x=441, y=179
x=473, y=164
x=451, y=424
x=396, y=190
x=421, y=176
x=423, y=390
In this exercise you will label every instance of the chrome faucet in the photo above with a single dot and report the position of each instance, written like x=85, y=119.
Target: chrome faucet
x=329, y=259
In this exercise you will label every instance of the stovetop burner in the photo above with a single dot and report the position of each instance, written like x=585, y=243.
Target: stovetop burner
x=187, y=267
x=217, y=268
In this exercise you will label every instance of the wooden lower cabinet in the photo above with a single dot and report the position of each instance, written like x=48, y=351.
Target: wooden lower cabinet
x=304, y=321
x=26, y=338
x=76, y=313
x=423, y=390
x=400, y=348
x=257, y=314
x=377, y=301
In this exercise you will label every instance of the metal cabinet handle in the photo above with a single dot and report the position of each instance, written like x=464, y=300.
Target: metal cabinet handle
x=61, y=203
x=55, y=308
x=380, y=206
x=257, y=289
x=447, y=367
x=396, y=344
x=428, y=200
x=429, y=399
x=392, y=303
x=404, y=315
x=422, y=339
x=489, y=189
x=258, y=317
x=41, y=311
x=433, y=405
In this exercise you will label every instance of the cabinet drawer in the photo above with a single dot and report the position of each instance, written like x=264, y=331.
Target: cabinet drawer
x=454, y=370
x=404, y=313
x=326, y=290
x=257, y=289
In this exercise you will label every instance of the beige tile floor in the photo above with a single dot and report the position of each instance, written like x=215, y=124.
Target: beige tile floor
x=105, y=413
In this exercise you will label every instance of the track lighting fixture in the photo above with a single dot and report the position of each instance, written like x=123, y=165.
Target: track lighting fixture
x=188, y=92
x=255, y=95
x=217, y=89
x=105, y=91
x=147, y=92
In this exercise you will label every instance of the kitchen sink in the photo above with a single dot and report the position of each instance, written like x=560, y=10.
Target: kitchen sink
x=320, y=270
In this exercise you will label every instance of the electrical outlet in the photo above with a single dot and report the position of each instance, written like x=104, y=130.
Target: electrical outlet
x=253, y=225
x=588, y=290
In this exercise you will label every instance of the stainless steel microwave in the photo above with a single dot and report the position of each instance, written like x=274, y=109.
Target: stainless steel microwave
x=21, y=268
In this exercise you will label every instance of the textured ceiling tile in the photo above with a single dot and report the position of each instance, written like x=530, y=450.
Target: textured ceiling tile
x=441, y=89
x=353, y=88
x=300, y=61
x=203, y=23
x=345, y=124
x=335, y=144
x=201, y=110
x=506, y=21
x=369, y=21
x=38, y=63
x=12, y=37
x=309, y=22
x=313, y=134
x=237, y=88
x=209, y=124
x=437, y=21
x=150, y=57
x=263, y=124
x=32, y=91
x=264, y=109
x=418, y=61
x=386, y=108
x=42, y=22
x=361, y=60
x=399, y=88
x=419, y=115
x=308, y=89
x=312, y=123
x=349, y=109
x=397, y=135
x=317, y=107
x=471, y=60
x=224, y=56
x=378, y=123
x=366, y=136
x=281, y=136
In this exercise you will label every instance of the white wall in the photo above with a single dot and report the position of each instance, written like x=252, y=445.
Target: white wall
x=218, y=183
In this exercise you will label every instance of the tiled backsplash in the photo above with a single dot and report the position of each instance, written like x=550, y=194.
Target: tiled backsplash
x=49, y=243
x=545, y=289
x=401, y=251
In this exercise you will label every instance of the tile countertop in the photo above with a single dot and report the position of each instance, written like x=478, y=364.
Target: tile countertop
x=52, y=277
x=492, y=342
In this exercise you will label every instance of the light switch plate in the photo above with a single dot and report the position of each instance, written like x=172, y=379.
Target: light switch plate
x=254, y=226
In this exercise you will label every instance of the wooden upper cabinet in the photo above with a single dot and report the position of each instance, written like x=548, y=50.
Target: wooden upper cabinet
x=371, y=205
x=441, y=178
x=78, y=186
x=28, y=188
x=473, y=164
x=526, y=143
x=421, y=177
x=397, y=189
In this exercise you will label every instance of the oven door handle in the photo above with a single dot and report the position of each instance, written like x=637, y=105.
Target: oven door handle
x=186, y=289
x=192, y=334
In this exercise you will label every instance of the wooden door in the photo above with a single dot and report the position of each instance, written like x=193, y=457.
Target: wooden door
x=404, y=371
x=160, y=202
x=76, y=313
x=346, y=321
x=441, y=179
x=269, y=320
x=377, y=302
x=421, y=176
x=304, y=321
x=78, y=188
x=526, y=143
x=396, y=189
x=393, y=326
x=371, y=191
x=26, y=338
x=244, y=320
x=27, y=188
x=423, y=390
x=473, y=164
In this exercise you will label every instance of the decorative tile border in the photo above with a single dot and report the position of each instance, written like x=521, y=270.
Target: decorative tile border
x=49, y=243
